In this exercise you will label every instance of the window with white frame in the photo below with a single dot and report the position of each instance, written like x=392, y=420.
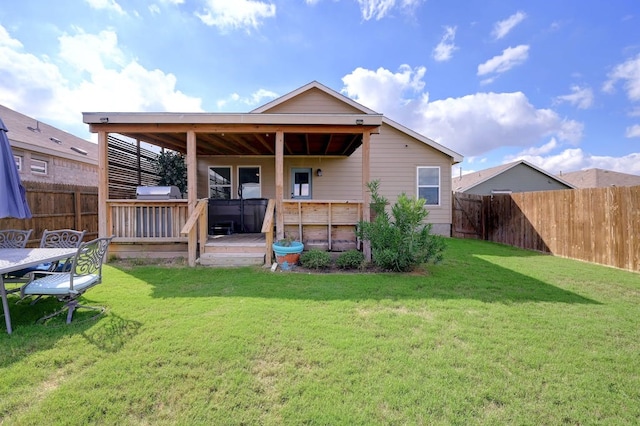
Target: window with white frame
x=220, y=182
x=249, y=181
x=429, y=185
x=18, y=161
x=39, y=166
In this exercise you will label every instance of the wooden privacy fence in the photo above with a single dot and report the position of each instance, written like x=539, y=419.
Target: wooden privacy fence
x=57, y=206
x=600, y=225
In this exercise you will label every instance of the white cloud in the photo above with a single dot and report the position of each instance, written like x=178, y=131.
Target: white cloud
x=502, y=28
x=106, y=5
x=581, y=97
x=471, y=125
x=509, y=58
x=378, y=9
x=444, y=50
x=629, y=73
x=154, y=9
x=544, y=149
x=633, y=131
x=384, y=91
x=236, y=14
x=478, y=123
x=571, y=160
x=257, y=98
x=109, y=81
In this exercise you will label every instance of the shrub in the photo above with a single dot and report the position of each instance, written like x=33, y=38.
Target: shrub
x=400, y=241
x=315, y=259
x=172, y=170
x=351, y=259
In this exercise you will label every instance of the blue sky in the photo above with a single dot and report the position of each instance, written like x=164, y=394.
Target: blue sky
x=554, y=82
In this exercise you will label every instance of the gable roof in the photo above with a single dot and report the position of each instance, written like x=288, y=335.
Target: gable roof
x=470, y=180
x=32, y=135
x=456, y=157
x=599, y=178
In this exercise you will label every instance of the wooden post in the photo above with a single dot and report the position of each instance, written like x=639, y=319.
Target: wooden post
x=77, y=205
x=192, y=190
x=279, y=184
x=104, y=219
x=366, y=197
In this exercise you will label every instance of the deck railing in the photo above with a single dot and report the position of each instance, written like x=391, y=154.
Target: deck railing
x=324, y=224
x=147, y=221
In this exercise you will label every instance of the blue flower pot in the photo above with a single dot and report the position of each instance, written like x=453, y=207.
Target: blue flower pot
x=288, y=256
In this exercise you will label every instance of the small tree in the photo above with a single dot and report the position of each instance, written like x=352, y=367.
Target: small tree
x=400, y=241
x=172, y=170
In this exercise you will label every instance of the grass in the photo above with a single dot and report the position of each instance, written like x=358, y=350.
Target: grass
x=492, y=335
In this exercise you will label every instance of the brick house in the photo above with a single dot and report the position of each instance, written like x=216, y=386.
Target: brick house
x=44, y=153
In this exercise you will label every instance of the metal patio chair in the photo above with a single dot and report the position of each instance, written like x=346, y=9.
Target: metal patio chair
x=59, y=238
x=14, y=238
x=67, y=287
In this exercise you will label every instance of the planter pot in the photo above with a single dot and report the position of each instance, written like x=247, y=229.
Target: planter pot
x=288, y=256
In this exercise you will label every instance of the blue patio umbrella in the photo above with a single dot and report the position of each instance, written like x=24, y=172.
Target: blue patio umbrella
x=13, y=200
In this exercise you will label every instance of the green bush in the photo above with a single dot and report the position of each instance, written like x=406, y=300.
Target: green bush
x=400, y=241
x=315, y=259
x=172, y=170
x=351, y=259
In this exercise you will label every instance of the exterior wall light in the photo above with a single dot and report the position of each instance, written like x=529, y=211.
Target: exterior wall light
x=319, y=172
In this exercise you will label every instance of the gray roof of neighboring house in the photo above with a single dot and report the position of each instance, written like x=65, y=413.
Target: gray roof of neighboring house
x=32, y=135
x=599, y=178
x=465, y=182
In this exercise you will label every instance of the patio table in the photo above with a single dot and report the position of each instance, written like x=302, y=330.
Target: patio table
x=12, y=260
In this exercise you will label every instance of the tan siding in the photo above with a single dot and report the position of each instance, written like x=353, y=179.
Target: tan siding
x=313, y=101
x=394, y=161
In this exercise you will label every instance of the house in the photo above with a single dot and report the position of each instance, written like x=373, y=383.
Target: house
x=307, y=156
x=44, y=153
x=518, y=176
x=599, y=178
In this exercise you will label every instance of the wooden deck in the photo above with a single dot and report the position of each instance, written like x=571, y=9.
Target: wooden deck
x=234, y=250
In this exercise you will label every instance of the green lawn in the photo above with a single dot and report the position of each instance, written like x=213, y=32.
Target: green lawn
x=493, y=335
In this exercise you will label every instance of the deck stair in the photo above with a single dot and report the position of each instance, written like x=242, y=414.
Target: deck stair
x=234, y=250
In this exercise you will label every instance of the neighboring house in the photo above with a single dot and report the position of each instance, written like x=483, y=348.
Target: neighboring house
x=44, y=153
x=518, y=176
x=599, y=178
x=310, y=151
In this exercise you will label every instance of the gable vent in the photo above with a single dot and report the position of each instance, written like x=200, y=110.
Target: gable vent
x=79, y=150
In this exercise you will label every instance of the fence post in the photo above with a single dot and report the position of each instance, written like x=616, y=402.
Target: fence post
x=77, y=205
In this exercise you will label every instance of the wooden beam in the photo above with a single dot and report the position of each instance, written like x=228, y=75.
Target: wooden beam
x=126, y=128
x=192, y=191
x=263, y=141
x=104, y=221
x=328, y=143
x=366, y=197
x=279, y=185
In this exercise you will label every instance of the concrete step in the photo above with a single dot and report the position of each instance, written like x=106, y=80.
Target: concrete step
x=232, y=259
x=257, y=248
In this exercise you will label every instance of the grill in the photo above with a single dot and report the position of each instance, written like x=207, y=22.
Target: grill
x=155, y=222
x=158, y=193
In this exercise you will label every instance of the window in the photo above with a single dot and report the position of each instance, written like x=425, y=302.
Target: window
x=39, y=166
x=18, y=161
x=220, y=182
x=429, y=185
x=249, y=181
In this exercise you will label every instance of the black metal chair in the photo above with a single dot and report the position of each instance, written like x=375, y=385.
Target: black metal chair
x=67, y=287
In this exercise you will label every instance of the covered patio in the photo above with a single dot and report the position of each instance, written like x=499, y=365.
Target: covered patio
x=271, y=137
